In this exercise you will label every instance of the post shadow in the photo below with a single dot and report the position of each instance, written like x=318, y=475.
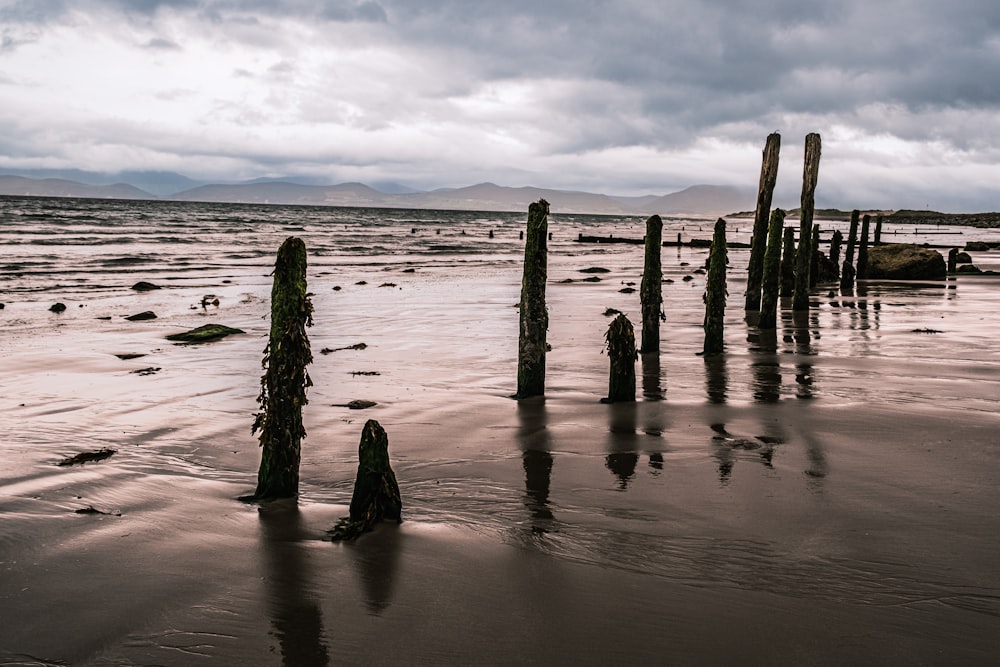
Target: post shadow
x=295, y=614
x=623, y=450
x=534, y=440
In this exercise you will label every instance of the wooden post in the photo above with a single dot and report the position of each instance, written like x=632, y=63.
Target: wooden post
x=715, y=292
x=376, y=493
x=772, y=273
x=620, y=339
x=835, y=242
x=788, y=263
x=814, y=258
x=878, y=230
x=651, y=288
x=847, y=272
x=283, y=385
x=765, y=191
x=953, y=260
x=862, y=272
x=534, y=318
x=810, y=174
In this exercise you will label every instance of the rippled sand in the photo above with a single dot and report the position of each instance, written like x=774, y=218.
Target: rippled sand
x=823, y=496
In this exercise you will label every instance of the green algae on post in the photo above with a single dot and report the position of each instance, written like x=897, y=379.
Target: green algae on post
x=204, y=334
x=534, y=317
x=283, y=385
x=620, y=338
x=803, y=260
x=862, y=272
x=788, y=262
x=376, y=493
x=651, y=287
x=715, y=291
x=765, y=192
x=772, y=273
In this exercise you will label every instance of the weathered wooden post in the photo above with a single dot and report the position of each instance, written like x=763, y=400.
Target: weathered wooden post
x=283, y=385
x=953, y=260
x=862, y=272
x=765, y=192
x=620, y=339
x=847, y=273
x=788, y=263
x=772, y=273
x=534, y=318
x=814, y=258
x=651, y=288
x=376, y=493
x=878, y=230
x=715, y=292
x=835, y=242
x=810, y=174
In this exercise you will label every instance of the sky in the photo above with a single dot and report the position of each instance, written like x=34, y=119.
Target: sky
x=624, y=97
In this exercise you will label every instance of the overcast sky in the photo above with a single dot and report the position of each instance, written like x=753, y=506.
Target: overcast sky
x=622, y=97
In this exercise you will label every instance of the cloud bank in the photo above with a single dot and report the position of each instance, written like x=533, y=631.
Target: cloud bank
x=623, y=97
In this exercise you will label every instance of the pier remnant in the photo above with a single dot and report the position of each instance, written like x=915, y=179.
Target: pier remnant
x=878, y=230
x=620, y=339
x=651, y=287
x=772, y=273
x=847, y=272
x=715, y=292
x=803, y=260
x=758, y=242
x=788, y=262
x=376, y=493
x=534, y=318
x=283, y=385
x=814, y=258
x=862, y=271
x=953, y=260
x=835, y=242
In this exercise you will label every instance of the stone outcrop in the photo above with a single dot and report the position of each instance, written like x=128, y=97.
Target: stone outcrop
x=904, y=261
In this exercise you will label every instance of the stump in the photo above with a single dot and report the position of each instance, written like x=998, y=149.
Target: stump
x=534, y=318
x=651, y=288
x=788, y=263
x=803, y=260
x=620, y=339
x=376, y=493
x=758, y=242
x=715, y=292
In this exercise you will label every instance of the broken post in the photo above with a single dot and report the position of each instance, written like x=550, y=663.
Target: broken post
x=765, y=191
x=953, y=260
x=715, y=292
x=651, y=288
x=788, y=263
x=534, y=318
x=810, y=174
x=376, y=493
x=620, y=339
x=814, y=259
x=835, y=242
x=847, y=272
x=283, y=385
x=878, y=230
x=862, y=271
x=772, y=273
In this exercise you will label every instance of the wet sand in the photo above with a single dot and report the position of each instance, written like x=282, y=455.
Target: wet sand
x=823, y=496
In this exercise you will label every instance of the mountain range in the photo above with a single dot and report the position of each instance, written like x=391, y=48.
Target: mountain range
x=698, y=200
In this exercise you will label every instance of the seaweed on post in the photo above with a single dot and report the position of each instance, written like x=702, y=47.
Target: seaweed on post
x=862, y=272
x=715, y=291
x=651, y=288
x=620, y=338
x=772, y=273
x=285, y=380
x=534, y=318
x=376, y=494
x=765, y=192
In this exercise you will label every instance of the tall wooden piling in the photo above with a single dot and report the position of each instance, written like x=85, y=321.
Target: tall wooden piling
x=862, y=272
x=772, y=273
x=788, y=262
x=715, y=292
x=835, y=242
x=878, y=230
x=283, y=385
x=534, y=317
x=810, y=175
x=814, y=258
x=847, y=272
x=953, y=260
x=758, y=242
x=651, y=288
x=620, y=339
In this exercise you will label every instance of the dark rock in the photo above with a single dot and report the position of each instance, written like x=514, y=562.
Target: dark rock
x=1, y=306
x=595, y=269
x=143, y=286
x=357, y=404
x=963, y=258
x=904, y=261
x=57, y=307
x=204, y=334
x=86, y=457
x=627, y=290
x=147, y=371
x=130, y=355
x=968, y=268
x=977, y=246
x=144, y=315
x=592, y=279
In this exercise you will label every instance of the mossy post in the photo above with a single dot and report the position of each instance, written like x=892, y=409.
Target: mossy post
x=620, y=339
x=376, y=493
x=772, y=273
x=534, y=317
x=715, y=292
x=814, y=258
x=835, y=242
x=788, y=262
x=803, y=260
x=651, y=288
x=847, y=272
x=765, y=192
x=862, y=272
x=283, y=385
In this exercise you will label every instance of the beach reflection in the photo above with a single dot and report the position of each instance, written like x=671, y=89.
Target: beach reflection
x=535, y=440
x=375, y=562
x=623, y=442
x=652, y=385
x=765, y=366
x=716, y=378
x=295, y=615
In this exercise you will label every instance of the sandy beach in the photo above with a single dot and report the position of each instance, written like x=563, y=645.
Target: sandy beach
x=824, y=495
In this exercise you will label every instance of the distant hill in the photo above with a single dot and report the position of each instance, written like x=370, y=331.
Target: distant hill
x=704, y=199
x=57, y=187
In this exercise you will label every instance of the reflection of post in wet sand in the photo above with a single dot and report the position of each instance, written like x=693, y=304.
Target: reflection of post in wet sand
x=716, y=378
x=623, y=450
x=535, y=440
x=295, y=614
x=804, y=377
x=765, y=365
x=818, y=468
x=652, y=387
x=374, y=557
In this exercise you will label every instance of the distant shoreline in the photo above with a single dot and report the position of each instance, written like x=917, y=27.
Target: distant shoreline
x=902, y=217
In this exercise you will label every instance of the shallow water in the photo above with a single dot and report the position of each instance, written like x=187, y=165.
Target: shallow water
x=837, y=476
